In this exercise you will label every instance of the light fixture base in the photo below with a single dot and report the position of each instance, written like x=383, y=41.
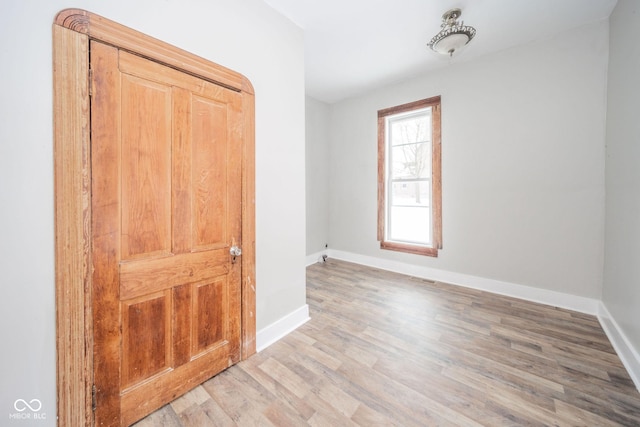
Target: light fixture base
x=452, y=14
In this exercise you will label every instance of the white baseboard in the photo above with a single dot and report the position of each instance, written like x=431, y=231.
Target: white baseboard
x=529, y=293
x=627, y=353
x=314, y=258
x=278, y=329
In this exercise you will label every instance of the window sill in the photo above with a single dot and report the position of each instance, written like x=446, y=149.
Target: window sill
x=411, y=249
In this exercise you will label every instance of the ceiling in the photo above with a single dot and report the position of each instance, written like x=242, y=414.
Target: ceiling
x=353, y=46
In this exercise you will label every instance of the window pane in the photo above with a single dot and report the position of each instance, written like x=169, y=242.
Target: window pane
x=412, y=193
x=410, y=225
x=411, y=161
x=407, y=130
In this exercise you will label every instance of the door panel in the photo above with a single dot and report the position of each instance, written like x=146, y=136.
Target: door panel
x=145, y=352
x=166, y=208
x=210, y=310
x=209, y=120
x=146, y=160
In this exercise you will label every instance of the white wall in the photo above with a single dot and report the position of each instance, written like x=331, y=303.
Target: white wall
x=523, y=164
x=317, y=174
x=621, y=289
x=247, y=36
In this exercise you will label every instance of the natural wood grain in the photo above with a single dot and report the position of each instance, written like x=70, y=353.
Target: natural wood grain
x=72, y=227
x=382, y=176
x=105, y=227
x=210, y=310
x=209, y=173
x=144, y=353
x=146, y=138
x=150, y=275
x=181, y=189
x=182, y=325
x=436, y=174
x=77, y=233
x=248, y=227
x=391, y=350
x=99, y=28
x=138, y=274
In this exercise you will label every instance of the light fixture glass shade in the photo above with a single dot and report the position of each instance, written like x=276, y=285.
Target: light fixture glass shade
x=449, y=44
x=453, y=35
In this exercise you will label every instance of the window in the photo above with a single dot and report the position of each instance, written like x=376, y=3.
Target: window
x=409, y=183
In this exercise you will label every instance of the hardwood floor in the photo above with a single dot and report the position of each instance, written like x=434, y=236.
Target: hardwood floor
x=383, y=349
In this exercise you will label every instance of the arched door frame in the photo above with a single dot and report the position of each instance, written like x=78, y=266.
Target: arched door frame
x=72, y=31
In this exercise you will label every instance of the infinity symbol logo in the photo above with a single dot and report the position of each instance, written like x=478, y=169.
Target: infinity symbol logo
x=21, y=405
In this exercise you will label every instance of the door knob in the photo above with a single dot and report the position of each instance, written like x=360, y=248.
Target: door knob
x=235, y=251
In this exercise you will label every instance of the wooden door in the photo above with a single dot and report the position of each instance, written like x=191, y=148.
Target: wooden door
x=166, y=154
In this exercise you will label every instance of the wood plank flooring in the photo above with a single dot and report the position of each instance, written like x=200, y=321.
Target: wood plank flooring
x=383, y=349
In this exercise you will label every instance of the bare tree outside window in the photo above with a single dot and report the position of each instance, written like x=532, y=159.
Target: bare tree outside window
x=413, y=137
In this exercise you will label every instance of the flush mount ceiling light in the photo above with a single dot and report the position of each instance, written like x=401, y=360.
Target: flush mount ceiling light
x=453, y=35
